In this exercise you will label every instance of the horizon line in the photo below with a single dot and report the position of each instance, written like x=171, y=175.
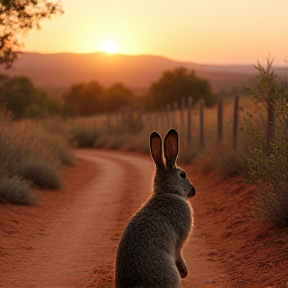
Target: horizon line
x=147, y=55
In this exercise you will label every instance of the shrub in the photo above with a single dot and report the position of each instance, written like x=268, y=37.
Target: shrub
x=29, y=155
x=40, y=172
x=225, y=160
x=25, y=140
x=57, y=138
x=16, y=191
x=268, y=164
x=231, y=162
x=269, y=173
x=84, y=137
x=59, y=146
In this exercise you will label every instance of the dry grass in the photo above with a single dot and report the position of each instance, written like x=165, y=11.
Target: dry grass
x=15, y=190
x=29, y=155
x=40, y=172
x=131, y=132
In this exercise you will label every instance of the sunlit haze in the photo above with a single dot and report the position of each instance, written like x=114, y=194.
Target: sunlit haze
x=202, y=31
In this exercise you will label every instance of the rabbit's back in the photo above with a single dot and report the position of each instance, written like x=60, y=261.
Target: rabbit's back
x=146, y=251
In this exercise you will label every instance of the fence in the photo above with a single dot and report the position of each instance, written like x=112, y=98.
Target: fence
x=182, y=116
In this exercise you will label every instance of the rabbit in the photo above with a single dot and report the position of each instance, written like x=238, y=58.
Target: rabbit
x=149, y=252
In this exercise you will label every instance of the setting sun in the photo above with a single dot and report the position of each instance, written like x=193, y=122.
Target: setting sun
x=110, y=47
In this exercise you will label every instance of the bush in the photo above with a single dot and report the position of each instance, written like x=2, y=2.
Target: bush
x=41, y=173
x=22, y=141
x=225, y=160
x=15, y=190
x=57, y=138
x=29, y=155
x=268, y=164
x=84, y=137
x=269, y=173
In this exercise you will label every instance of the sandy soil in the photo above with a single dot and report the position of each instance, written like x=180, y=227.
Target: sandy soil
x=69, y=238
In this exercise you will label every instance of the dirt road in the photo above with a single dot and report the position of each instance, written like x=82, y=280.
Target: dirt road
x=69, y=239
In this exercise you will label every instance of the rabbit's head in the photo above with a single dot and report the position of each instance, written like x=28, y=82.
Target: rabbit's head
x=169, y=178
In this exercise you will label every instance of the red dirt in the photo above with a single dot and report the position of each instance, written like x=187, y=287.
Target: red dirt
x=69, y=238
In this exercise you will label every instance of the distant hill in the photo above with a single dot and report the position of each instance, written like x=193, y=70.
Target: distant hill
x=54, y=71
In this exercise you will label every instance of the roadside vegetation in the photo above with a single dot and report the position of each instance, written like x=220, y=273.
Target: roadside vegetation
x=268, y=162
x=33, y=151
x=261, y=153
x=30, y=157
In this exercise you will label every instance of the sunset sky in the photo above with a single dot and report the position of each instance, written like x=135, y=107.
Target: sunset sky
x=201, y=31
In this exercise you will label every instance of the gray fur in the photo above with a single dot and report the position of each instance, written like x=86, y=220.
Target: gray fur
x=149, y=252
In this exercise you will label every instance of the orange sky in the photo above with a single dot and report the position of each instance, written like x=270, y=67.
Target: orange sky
x=202, y=31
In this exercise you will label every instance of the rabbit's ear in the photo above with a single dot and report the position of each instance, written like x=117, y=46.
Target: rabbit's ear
x=171, y=148
x=156, y=149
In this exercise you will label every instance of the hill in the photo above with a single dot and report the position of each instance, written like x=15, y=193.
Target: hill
x=55, y=71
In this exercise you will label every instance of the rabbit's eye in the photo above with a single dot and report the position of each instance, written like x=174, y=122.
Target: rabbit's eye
x=183, y=175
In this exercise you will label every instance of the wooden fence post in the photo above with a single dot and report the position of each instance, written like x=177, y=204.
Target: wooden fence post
x=115, y=120
x=175, y=106
x=182, y=114
x=172, y=114
x=130, y=121
x=189, y=116
x=156, y=121
x=201, y=106
x=162, y=115
x=220, y=120
x=167, y=115
x=142, y=116
x=235, y=120
x=108, y=121
x=148, y=119
x=123, y=110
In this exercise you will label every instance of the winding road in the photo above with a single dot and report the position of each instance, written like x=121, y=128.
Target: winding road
x=74, y=239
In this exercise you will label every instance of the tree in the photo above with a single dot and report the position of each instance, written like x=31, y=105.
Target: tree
x=118, y=95
x=17, y=93
x=178, y=83
x=18, y=17
x=83, y=99
x=21, y=97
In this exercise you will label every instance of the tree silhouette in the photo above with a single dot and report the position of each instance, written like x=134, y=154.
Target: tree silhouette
x=83, y=99
x=18, y=17
x=118, y=95
x=21, y=97
x=176, y=84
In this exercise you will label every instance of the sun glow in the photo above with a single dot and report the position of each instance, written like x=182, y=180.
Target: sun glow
x=110, y=47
